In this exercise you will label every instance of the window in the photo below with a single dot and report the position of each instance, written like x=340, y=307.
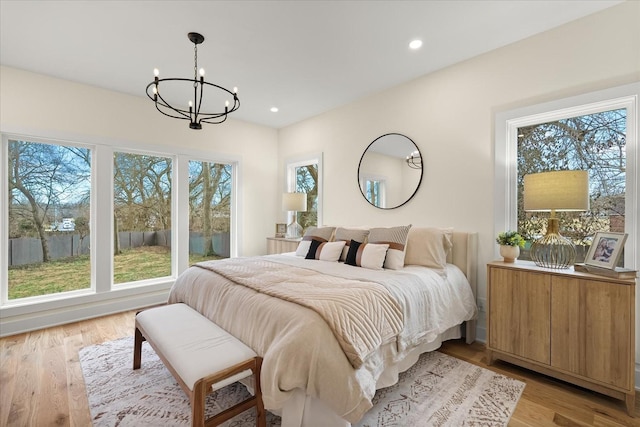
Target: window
x=594, y=142
x=87, y=228
x=210, y=186
x=595, y=132
x=305, y=176
x=142, y=215
x=374, y=190
x=48, y=211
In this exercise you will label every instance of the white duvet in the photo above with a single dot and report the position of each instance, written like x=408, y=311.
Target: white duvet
x=299, y=349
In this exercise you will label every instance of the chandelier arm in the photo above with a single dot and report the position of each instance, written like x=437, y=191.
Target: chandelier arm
x=200, y=101
x=182, y=113
x=170, y=115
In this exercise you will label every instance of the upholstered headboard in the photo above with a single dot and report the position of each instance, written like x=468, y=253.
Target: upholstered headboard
x=464, y=254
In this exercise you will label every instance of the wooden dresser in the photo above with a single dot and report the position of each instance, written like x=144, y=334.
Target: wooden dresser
x=279, y=245
x=577, y=327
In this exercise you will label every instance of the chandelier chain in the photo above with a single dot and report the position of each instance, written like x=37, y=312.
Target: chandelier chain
x=195, y=65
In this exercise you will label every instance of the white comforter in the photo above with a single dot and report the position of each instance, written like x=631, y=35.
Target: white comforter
x=300, y=350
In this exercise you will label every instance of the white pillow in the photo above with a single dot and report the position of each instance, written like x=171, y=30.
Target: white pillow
x=396, y=239
x=303, y=248
x=373, y=256
x=367, y=255
x=428, y=246
x=329, y=251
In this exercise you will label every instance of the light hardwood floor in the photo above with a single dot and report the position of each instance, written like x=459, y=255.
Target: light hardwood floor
x=41, y=381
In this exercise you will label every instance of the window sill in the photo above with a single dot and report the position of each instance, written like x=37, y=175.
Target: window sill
x=22, y=316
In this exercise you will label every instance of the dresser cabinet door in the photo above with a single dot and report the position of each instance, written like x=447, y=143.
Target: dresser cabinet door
x=519, y=313
x=591, y=332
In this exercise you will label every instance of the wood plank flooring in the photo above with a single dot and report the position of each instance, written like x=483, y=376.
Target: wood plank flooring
x=41, y=381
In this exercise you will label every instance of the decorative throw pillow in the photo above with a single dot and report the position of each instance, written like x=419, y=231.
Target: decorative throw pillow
x=396, y=238
x=429, y=246
x=349, y=234
x=367, y=255
x=313, y=247
x=325, y=251
x=323, y=234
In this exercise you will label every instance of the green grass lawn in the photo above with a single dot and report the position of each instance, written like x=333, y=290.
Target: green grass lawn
x=145, y=262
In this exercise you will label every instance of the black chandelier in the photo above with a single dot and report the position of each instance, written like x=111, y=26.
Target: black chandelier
x=414, y=160
x=195, y=116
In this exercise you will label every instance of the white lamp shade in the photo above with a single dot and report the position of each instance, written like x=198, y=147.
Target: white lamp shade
x=556, y=191
x=294, y=202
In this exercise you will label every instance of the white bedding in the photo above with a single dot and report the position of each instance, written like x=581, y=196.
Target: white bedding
x=299, y=350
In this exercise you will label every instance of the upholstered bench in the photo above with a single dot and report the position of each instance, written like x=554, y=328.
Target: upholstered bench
x=201, y=356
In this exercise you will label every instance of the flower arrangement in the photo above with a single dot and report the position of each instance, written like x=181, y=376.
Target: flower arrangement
x=510, y=238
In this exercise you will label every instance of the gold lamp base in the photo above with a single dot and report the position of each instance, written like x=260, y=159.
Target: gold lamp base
x=553, y=250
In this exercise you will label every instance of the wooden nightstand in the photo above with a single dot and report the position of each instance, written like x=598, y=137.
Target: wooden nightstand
x=279, y=245
x=577, y=327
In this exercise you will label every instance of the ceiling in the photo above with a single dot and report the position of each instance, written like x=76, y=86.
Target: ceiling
x=304, y=57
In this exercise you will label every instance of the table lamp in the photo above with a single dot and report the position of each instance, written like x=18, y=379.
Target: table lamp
x=550, y=192
x=294, y=202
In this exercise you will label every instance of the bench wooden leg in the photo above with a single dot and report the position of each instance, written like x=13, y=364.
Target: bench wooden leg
x=137, y=349
x=261, y=416
x=198, y=399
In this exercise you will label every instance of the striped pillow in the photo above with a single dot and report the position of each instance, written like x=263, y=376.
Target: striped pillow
x=396, y=238
x=325, y=251
x=349, y=234
x=323, y=234
x=367, y=255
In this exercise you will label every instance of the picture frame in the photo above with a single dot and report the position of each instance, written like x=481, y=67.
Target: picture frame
x=605, y=249
x=281, y=230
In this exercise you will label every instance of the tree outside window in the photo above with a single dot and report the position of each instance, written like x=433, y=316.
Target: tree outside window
x=593, y=142
x=48, y=209
x=142, y=217
x=210, y=186
x=306, y=181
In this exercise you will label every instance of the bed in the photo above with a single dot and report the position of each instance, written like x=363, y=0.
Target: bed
x=330, y=333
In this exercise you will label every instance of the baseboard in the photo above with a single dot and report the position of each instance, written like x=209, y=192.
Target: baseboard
x=17, y=321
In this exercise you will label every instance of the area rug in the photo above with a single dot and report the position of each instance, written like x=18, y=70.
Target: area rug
x=438, y=390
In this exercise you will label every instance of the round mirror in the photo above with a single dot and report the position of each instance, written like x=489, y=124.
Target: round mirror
x=390, y=171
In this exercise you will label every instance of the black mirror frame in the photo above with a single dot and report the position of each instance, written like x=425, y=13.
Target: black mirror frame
x=360, y=164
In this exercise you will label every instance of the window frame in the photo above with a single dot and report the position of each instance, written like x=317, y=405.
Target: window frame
x=290, y=179
x=505, y=166
x=103, y=297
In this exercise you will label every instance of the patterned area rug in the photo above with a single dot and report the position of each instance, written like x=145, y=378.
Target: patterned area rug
x=437, y=391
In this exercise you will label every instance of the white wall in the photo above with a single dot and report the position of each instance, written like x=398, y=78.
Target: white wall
x=450, y=116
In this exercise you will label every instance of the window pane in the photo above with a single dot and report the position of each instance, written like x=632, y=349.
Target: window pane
x=594, y=142
x=49, y=205
x=209, y=211
x=373, y=191
x=142, y=214
x=307, y=182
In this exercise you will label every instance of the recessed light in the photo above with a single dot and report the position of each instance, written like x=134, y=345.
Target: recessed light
x=274, y=109
x=415, y=44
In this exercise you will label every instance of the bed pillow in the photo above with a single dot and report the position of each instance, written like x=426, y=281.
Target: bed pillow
x=325, y=251
x=367, y=255
x=323, y=234
x=429, y=246
x=396, y=238
x=349, y=234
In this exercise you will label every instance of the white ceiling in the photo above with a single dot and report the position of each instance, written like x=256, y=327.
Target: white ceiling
x=305, y=57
